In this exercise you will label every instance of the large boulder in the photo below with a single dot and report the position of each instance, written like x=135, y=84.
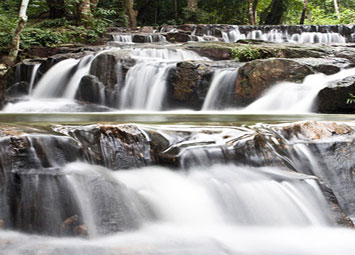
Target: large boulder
x=333, y=98
x=180, y=37
x=91, y=90
x=188, y=85
x=109, y=66
x=258, y=75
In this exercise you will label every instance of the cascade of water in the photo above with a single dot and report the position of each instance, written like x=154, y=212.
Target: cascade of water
x=122, y=38
x=232, y=35
x=292, y=97
x=145, y=83
x=33, y=78
x=63, y=79
x=274, y=35
x=222, y=85
x=317, y=37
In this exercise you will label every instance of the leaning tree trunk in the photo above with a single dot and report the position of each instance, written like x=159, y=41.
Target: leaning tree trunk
x=131, y=13
x=192, y=5
x=15, y=47
x=56, y=8
x=304, y=11
x=84, y=10
x=276, y=9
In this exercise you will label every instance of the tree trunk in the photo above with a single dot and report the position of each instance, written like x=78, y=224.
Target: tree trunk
x=132, y=14
x=192, y=5
x=336, y=8
x=15, y=47
x=275, y=11
x=84, y=10
x=94, y=4
x=255, y=5
x=250, y=12
x=304, y=11
x=176, y=8
x=56, y=8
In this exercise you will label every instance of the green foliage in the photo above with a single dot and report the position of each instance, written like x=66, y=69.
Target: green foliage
x=351, y=99
x=7, y=26
x=247, y=53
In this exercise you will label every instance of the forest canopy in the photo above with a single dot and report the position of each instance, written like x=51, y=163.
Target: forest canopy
x=53, y=22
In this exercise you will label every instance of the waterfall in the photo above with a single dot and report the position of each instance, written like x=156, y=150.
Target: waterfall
x=289, y=97
x=63, y=79
x=276, y=35
x=33, y=78
x=233, y=35
x=222, y=85
x=145, y=83
x=127, y=39
x=145, y=86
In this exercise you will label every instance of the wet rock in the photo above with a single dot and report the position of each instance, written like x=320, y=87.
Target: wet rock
x=108, y=67
x=333, y=98
x=74, y=226
x=325, y=65
x=180, y=37
x=188, y=85
x=147, y=29
x=18, y=89
x=215, y=51
x=258, y=75
x=91, y=90
x=115, y=147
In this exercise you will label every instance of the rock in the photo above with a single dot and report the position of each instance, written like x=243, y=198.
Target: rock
x=91, y=90
x=180, y=37
x=18, y=89
x=105, y=68
x=115, y=147
x=188, y=85
x=338, y=92
x=215, y=51
x=258, y=75
x=147, y=29
x=326, y=65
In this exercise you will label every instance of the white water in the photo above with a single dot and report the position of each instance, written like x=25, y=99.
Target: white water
x=277, y=36
x=145, y=83
x=289, y=97
x=33, y=78
x=63, y=79
x=222, y=84
x=217, y=210
x=122, y=39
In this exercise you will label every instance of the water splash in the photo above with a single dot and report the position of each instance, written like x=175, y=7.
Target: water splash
x=289, y=97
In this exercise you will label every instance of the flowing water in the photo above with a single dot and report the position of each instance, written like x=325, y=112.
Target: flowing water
x=239, y=181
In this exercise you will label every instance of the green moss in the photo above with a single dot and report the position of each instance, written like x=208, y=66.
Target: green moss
x=248, y=53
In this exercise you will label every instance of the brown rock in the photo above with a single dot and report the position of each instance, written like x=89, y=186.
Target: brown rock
x=258, y=75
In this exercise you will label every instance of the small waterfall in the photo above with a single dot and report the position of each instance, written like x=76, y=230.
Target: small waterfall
x=145, y=86
x=277, y=36
x=232, y=35
x=222, y=85
x=145, y=83
x=317, y=37
x=33, y=78
x=123, y=39
x=63, y=79
x=289, y=97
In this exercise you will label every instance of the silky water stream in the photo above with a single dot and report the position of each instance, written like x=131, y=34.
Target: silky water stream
x=181, y=182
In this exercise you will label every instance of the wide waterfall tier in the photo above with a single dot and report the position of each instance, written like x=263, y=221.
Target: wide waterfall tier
x=158, y=188
x=300, y=34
